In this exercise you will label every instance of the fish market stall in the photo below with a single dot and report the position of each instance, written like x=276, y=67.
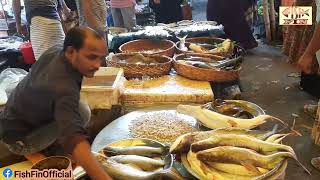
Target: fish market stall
x=230, y=151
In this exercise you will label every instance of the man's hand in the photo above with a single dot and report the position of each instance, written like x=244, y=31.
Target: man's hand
x=83, y=156
x=305, y=63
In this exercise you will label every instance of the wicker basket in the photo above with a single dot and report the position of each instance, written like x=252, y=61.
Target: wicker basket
x=138, y=70
x=208, y=40
x=202, y=74
x=165, y=47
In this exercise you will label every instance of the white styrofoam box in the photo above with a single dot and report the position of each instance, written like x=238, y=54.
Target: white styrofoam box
x=105, y=94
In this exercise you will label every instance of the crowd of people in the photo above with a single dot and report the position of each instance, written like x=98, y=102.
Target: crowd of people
x=46, y=18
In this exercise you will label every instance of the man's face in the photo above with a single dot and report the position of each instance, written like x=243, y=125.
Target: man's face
x=88, y=59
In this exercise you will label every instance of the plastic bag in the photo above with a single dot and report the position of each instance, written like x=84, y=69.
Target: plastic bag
x=9, y=79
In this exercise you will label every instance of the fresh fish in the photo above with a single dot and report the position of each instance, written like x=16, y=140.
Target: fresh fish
x=225, y=47
x=216, y=120
x=239, y=141
x=196, y=48
x=236, y=169
x=204, y=170
x=259, y=134
x=201, y=169
x=183, y=142
x=206, y=45
x=224, y=63
x=142, y=162
x=245, y=157
x=201, y=59
x=134, y=150
x=198, y=64
x=124, y=172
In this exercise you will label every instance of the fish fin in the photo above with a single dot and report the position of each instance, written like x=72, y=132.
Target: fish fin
x=232, y=123
x=249, y=166
x=293, y=131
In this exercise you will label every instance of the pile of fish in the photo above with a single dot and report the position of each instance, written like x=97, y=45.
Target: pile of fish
x=133, y=162
x=137, y=58
x=225, y=47
x=230, y=153
x=214, y=120
x=210, y=63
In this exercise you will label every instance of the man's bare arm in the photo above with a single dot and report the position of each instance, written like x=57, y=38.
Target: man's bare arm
x=83, y=156
x=16, y=6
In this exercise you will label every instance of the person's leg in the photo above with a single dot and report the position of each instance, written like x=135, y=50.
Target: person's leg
x=117, y=17
x=85, y=115
x=231, y=14
x=129, y=17
x=32, y=145
x=45, y=33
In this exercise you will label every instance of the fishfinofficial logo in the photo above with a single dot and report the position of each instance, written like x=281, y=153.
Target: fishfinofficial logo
x=7, y=173
x=295, y=15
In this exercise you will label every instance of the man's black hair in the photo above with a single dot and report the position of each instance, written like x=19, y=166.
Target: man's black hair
x=76, y=37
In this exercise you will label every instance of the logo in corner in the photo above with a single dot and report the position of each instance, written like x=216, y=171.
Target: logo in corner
x=295, y=15
x=7, y=173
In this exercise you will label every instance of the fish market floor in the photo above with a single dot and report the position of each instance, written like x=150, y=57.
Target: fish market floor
x=265, y=81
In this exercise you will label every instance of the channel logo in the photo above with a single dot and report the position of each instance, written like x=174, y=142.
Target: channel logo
x=295, y=15
x=7, y=173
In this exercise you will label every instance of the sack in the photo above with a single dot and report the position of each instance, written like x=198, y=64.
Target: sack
x=9, y=79
x=186, y=12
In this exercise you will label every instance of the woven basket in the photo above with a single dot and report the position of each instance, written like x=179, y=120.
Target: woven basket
x=208, y=40
x=138, y=70
x=202, y=74
x=165, y=47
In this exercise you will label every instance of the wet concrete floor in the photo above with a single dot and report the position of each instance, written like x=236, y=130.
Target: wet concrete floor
x=265, y=81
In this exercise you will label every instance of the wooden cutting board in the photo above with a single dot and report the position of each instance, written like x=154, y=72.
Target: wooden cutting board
x=171, y=88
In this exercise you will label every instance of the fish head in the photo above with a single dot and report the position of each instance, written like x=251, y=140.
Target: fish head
x=181, y=144
x=188, y=109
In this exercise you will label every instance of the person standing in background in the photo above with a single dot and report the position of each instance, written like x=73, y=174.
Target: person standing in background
x=167, y=11
x=123, y=13
x=44, y=19
x=93, y=14
x=231, y=14
x=307, y=63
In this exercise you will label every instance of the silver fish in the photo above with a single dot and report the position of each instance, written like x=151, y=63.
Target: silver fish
x=135, y=150
x=124, y=172
x=142, y=162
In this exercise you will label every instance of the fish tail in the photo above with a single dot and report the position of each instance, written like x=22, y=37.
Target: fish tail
x=278, y=140
x=296, y=158
x=293, y=131
x=272, y=118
